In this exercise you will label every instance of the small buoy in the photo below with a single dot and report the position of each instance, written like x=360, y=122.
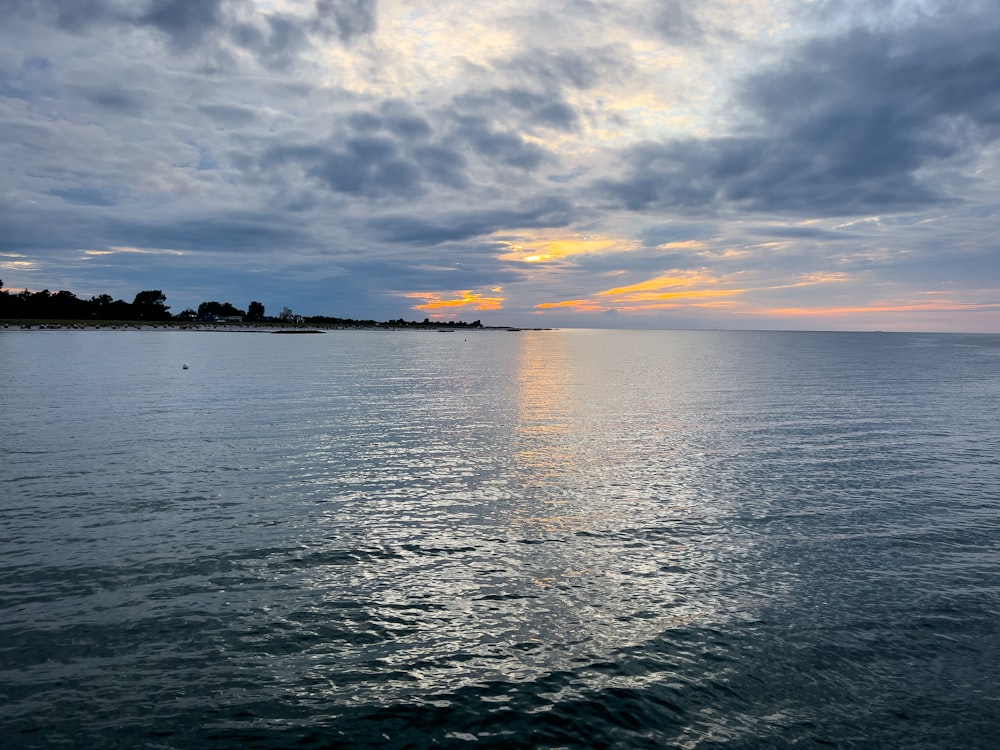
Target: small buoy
x=185, y=365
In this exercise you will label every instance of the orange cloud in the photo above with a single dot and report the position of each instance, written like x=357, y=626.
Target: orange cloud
x=465, y=299
x=677, y=278
x=654, y=297
x=579, y=305
x=548, y=249
x=673, y=290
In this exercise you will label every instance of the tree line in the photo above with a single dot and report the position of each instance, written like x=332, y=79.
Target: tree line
x=151, y=306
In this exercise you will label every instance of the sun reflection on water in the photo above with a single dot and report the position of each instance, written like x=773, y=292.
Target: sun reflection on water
x=492, y=512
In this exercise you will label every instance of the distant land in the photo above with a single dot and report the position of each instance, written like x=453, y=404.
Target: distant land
x=149, y=307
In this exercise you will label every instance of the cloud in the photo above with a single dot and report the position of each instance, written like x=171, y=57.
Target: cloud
x=374, y=165
x=241, y=235
x=464, y=300
x=532, y=109
x=365, y=165
x=116, y=99
x=801, y=154
x=502, y=147
x=860, y=122
x=677, y=22
x=84, y=196
x=229, y=116
x=70, y=15
x=185, y=22
x=559, y=69
x=276, y=38
x=465, y=224
x=347, y=19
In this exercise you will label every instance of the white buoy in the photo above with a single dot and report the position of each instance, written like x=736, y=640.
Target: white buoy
x=185, y=365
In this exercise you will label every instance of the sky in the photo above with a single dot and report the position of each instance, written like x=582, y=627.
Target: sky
x=739, y=164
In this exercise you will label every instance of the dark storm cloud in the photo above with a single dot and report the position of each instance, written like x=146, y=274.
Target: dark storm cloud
x=276, y=41
x=346, y=19
x=531, y=108
x=443, y=165
x=85, y=196
x=456, y=266
x=538, y=84
x=116, y=100
x=498, y=146
x=558, y=69
x=394, y=116
x=69, y=15
x=368, y=166
x=406, y=125
x=797, y=233
x=675, y=22
x=395, y=152
x=461, y=225
x=234, y=232
x=183, y=21
x=661, y=234
x=229, y=116
x=847, y=125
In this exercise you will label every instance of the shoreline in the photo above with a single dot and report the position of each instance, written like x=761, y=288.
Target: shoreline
x=79, y=325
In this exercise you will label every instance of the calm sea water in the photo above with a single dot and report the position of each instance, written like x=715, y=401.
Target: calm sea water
x=555, y=539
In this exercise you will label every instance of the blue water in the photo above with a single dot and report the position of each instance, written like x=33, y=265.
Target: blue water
x=552, y=539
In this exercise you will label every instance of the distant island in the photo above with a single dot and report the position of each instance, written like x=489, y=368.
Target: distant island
x=150, y=307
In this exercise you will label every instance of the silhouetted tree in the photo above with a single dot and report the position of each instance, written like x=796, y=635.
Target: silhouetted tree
x=6, y=306
x=151, y=305
x=209, y=308
x=34, y=304
x=100, y=306
x=119, y=310
x=255, y=312
x=64, y=304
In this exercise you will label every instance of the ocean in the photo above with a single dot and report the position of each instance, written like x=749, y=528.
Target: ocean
x=491, y=539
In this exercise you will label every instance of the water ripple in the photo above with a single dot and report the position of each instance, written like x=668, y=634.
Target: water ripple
x=549, y=540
